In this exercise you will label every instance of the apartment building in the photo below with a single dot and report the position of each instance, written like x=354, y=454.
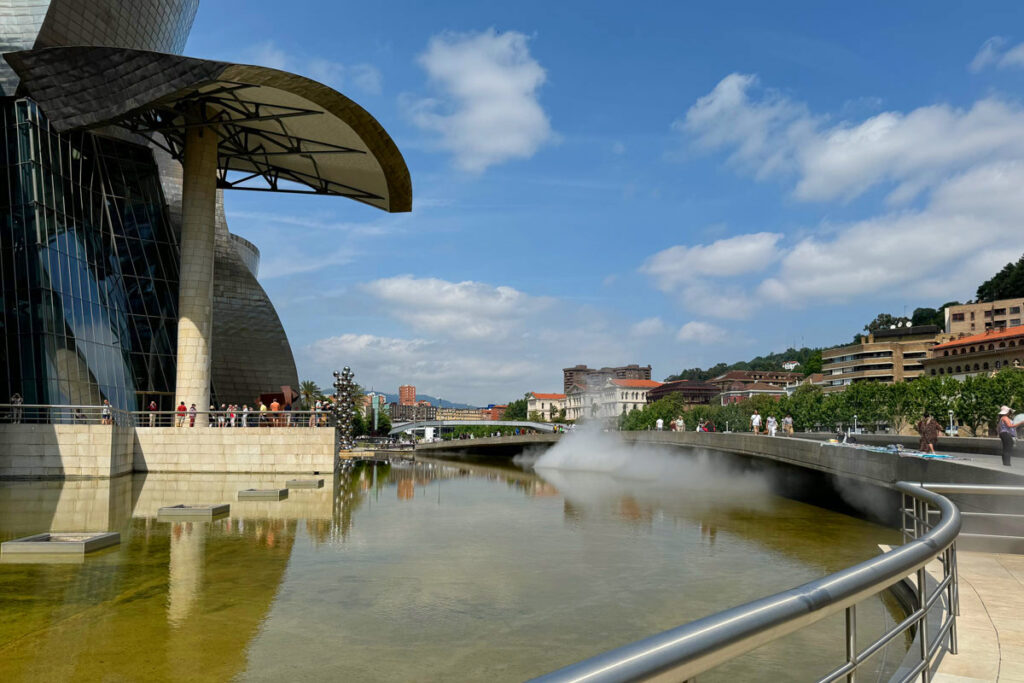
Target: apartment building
x=407, y=395
x=987, y=352
x=977, y=317
x=893, y=355
x=772, y=378
x=616, y=397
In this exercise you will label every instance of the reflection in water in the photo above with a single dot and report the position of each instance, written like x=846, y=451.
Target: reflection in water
x=188, y=541
x=504, y=575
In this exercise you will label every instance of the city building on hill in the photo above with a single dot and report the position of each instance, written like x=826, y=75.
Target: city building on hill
x=775, y=378
x=616, y=397
x=692, y=392
x=548, y=405
x=740, y=391
x=975, y=354
x=407, y=395
x=401, y=413
x=584, y=376
x=814, y=379
x=790, y=365
x=893, y=355
x=978, y=317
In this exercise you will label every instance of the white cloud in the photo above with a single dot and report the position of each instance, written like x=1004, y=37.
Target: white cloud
x=488, y=111
x=463, y=310
x=967, y=231
x=701, y=333
x=648, y=327
x=361, y=76
x=774, y=137
x=681, y=264
x=992, y=53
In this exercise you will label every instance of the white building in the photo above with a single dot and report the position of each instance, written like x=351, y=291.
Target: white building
x=548, y=405
x=613, y=398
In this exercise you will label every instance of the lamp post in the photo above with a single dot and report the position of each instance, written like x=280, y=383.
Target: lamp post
x=951, y=423
x=854, y=424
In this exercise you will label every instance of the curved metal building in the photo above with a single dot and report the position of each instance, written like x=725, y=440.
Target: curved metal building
x=119, y=277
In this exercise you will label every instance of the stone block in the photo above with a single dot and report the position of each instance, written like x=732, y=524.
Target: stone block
x=263, y=494
x=58, y=543
x=194, y=512
x=305, y=483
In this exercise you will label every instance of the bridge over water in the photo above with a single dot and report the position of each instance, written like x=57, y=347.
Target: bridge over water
x=544, y=427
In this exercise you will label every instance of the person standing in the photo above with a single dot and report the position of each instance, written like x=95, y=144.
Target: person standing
x=152, y=413
x=263, y=415
x=659, y=424
x=929, y=430
x=192, y=412
x=16, y=403
x=180, y=410
x=772, y=425
x=105, y=413
x=245, y=414
x=755, y=422
x=787, y=425
x=1007, y=433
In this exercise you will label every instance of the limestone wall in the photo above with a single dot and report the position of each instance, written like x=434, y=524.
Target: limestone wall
x=256, y=450
x=37, y=451
x=65, y=451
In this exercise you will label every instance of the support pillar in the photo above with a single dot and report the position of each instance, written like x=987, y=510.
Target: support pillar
x=195, y=288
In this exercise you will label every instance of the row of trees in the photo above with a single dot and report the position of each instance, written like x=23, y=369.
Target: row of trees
x=310, y=393
x=974, y=401
x=809, y=359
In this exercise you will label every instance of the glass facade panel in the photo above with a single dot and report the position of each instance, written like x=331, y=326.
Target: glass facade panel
x=88, y=268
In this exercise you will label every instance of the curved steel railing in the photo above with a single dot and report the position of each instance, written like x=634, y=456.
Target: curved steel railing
x=680, y=654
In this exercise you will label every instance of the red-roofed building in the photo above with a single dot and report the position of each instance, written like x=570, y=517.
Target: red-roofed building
x=549, y=406
x=775, y=378
x=977, y=353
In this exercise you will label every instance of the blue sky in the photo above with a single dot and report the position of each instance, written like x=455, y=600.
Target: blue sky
x=656, y=183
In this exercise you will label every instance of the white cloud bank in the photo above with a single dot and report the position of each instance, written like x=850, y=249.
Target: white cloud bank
x=488, y=110
x=701, y=333
x=967, y=164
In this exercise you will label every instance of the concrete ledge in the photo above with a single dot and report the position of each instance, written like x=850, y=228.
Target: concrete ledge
x=305, y=483
x=60, y=543
x=263, y=494
x=193, y=512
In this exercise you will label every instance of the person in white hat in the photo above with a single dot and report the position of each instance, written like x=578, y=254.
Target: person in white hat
x=1007, y=433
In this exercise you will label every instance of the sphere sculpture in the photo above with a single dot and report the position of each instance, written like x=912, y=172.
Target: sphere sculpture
x=344, y=408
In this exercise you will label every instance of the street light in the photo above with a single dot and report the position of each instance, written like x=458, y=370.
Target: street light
x=951, y=423
x=854, y=424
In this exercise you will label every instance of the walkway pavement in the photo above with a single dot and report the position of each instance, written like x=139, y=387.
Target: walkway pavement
x=990, y=629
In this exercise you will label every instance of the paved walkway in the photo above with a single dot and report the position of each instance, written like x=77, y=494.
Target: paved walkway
x=990, y=629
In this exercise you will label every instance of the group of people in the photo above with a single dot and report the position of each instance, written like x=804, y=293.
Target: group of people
x=771, y=425
x=230, y=415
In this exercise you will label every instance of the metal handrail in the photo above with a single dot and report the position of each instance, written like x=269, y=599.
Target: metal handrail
x=694, y=648
x=234, y=418
x=49, y=413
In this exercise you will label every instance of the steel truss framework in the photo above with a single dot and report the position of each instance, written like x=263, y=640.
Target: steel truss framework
x=243, y=148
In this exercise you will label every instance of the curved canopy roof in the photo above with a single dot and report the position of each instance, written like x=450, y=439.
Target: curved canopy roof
x=278, y=131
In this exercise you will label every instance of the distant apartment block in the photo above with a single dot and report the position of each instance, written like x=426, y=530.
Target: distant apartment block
x=983, y=353
x=407, y=395
x=583, y=376
x=548, y=405
x=888, y=356
x=978, y=317
x=403, y=413
x=463, y=414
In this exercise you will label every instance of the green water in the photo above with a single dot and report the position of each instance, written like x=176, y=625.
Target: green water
x=427, y=573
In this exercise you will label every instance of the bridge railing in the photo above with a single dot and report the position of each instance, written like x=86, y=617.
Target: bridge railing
x=38, y=413
x=234, y=418
x=684, y=652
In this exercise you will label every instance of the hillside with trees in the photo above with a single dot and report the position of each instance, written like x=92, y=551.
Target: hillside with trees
x=1008, y=283
x=809, y=359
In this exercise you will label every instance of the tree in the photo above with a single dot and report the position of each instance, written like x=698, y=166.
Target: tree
x=383, y=424
x=977, y=403
x=1008, y=283
x=883, y=321
x=813, y=363
x=516, y=410
x=536, y=416
x=308, y=391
